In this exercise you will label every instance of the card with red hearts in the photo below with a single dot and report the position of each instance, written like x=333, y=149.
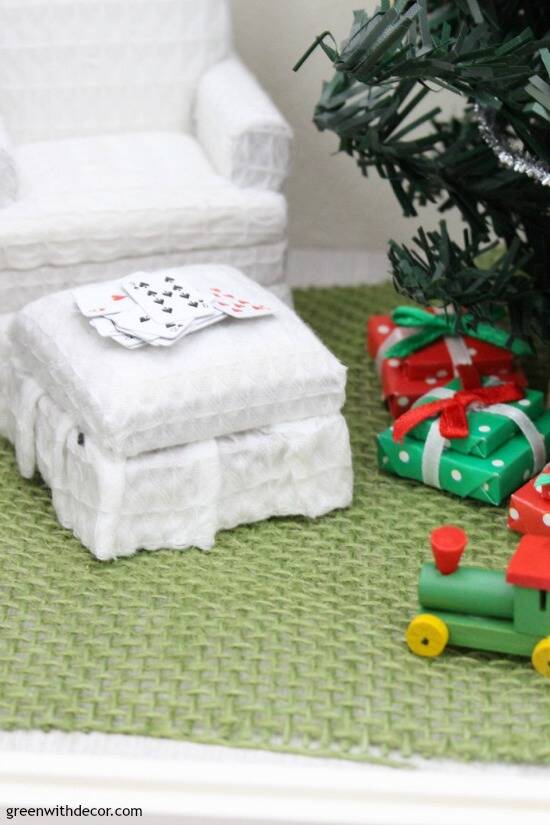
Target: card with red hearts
x=236, y=305
x=97, y=300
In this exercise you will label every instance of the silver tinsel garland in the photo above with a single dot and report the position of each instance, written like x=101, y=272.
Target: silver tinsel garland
x=519, y=161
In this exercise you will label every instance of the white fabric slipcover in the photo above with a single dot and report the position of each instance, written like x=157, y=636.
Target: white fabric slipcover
x=157, y=448
x=182, y=496
x=242, y=132
x=264, y=263
x=5, y=356
x=95, y=199
x=8, y=172
x=234, y=376
x=131, y=132
x=91, y=67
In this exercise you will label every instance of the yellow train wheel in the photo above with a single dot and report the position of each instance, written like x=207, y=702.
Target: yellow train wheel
x=541, y=657
x=427, y=635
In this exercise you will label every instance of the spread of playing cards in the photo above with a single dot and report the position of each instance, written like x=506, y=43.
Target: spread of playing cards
x=158, y=309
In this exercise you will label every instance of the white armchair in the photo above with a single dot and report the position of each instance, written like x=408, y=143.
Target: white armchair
x=8, y=174
x=238, y=126
x=131, y=137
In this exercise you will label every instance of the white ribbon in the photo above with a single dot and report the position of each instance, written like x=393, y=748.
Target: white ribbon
x=458, y=352
x=527, y=427
x=431, y=457
x=435, y=443
x=457, y=349
x=396, y=335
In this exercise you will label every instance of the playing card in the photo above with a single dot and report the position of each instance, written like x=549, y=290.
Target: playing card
x=201, y=323
x=135, y=321
x=98, y=299
x=107, y=329
x=128, y=341
x=104, y=326
x=163, y=297
x=158, y=309
x=238, y=306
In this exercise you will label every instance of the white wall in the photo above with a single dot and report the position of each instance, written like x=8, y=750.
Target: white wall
x=331, y=204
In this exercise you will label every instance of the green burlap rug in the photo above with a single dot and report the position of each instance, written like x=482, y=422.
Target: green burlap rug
x=287, y=636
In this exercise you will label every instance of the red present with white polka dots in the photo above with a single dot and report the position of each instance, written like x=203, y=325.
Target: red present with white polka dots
x=400, y=392
x=529, y=511
x=434, y=361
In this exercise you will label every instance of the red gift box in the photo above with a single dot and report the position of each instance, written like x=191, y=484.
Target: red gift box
x=400, y=392
x=434, y=361
x=529, y=510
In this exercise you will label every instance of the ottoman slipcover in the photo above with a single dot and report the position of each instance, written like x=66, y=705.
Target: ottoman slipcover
x=161, y=447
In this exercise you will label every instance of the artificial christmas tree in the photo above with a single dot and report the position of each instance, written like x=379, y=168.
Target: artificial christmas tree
x=493, y=164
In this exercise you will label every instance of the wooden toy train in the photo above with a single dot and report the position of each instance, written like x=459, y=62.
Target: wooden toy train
x=505, y=612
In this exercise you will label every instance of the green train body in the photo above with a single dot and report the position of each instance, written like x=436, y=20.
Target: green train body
x=471, y=607
x=483, y=611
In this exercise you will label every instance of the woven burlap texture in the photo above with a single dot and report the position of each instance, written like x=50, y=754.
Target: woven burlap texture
x=287, y=636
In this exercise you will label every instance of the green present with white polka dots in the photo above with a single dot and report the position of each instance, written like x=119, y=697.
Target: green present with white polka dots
x=491, y=479
x=487, y=431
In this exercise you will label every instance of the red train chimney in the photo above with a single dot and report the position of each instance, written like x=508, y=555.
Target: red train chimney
x=448, y=545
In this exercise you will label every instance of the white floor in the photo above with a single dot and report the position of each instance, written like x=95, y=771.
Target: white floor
x=191, y=784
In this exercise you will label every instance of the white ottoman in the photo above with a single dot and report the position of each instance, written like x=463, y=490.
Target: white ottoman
x=163, y=447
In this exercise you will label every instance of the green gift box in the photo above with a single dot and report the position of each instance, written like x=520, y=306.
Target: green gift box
x=490, y=479
x=487, y=431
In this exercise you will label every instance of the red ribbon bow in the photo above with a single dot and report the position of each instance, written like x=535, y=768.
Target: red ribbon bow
x=453, y=422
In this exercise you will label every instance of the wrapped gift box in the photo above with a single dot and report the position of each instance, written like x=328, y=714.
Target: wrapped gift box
x=434, y=361
x=529, y=510
x=487, y=431
x=490, y=480
x=400, y=392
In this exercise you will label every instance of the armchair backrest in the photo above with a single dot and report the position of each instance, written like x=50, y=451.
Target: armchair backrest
x=82, y=67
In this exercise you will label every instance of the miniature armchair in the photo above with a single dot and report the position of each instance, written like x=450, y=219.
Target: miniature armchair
x=132, y=137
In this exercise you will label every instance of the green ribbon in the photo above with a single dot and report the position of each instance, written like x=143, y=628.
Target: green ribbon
x=434, y=327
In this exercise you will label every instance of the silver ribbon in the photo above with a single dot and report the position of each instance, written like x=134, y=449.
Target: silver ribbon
x=435, y=443
x=431, y=457
x=458, y=352
x=457, y=349
x=528, y=428
x=396, y=335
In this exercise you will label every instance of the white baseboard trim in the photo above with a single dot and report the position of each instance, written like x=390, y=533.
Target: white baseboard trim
x=245, y=791
x=216, y=785
x=336, y=267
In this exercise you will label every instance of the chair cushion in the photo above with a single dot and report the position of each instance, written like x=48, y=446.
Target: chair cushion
x=85, y=67
x=233, y=376
x=109, y=197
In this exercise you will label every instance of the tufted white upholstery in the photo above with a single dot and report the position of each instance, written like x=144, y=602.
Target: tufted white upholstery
x=87, y=67
x=111, y=197
x=8, y=172
x=233, y=376
x=245, y=137
x=182, y=496
x=130, y=133
x=234, y=424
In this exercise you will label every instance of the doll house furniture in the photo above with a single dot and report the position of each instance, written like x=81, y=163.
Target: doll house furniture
x=132, y=137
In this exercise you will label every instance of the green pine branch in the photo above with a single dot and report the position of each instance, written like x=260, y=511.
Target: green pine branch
x=493, y=53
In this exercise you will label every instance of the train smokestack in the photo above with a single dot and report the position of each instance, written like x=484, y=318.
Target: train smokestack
x=448, y=545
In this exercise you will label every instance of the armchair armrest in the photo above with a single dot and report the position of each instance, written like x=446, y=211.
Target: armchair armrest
x=240, y=129
x=8, y=172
